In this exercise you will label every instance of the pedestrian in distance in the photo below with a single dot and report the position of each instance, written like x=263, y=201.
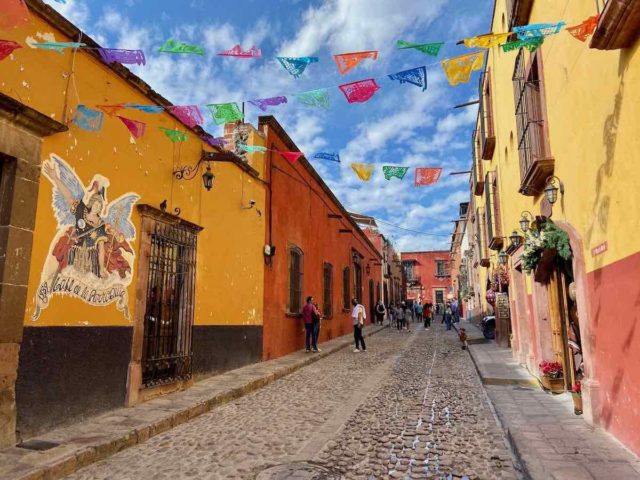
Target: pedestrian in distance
x=454, y=311
x=358, y=316
x=308, y=311
x=462, y=336
x=399, y=317
x=408, y=316
x=448, y=317
x=392, y=314
x=380, y=311
x=316, y=328
x=427, y=312
x=418, y=311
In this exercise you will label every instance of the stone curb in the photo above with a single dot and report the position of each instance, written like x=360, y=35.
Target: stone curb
x=81, y=451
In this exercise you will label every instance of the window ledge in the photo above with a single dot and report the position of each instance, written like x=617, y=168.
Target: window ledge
x=619, y=25
x=534, y=181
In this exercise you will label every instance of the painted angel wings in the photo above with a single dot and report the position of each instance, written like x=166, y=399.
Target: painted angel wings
x=63, y=179
x=119, y=215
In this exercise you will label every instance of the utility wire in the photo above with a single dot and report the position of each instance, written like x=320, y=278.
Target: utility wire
x=413, y=231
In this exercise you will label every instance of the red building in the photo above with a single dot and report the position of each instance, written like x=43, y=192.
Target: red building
x=428, y=276
x=319, y=251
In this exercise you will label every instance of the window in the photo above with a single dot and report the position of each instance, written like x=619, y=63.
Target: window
x=492, y=212
x=327, y=290
x=169, y=310
x=477, y=178
x=346, y=288
x=408, y=270
x=487, y=135
x=482, y=248
x=518, y=12
x=536, y=164
x=296, y=260
x=441, y=268
x=619, y=25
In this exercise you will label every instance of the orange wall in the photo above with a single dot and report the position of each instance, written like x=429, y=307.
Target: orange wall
x=425, y=268
x=299, y=216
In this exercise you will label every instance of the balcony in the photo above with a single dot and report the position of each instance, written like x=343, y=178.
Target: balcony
x=619, y=25
x=414, y=281
x=477, y=174
x=518, y=12
x=487, y=134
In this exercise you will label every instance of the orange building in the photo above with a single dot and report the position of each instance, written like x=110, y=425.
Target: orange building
x=428, y=276
x=314, y=249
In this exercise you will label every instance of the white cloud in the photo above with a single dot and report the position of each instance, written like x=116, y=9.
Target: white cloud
x=76, y=11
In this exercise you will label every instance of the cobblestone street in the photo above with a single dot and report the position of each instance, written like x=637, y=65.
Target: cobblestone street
x=412, y=406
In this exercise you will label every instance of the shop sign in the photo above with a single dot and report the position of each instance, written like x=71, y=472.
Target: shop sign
x=600, y=249
x=502, y=305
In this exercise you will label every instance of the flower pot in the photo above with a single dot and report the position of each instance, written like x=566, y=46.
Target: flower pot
x=577, y=403
x=554, y=385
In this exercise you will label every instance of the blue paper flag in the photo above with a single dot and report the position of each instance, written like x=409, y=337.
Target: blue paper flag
x=88, y=119
x=332, y=157
x=145, y=108
x=296, y=65
x=416, y=76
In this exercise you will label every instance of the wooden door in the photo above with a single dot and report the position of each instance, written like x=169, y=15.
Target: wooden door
x=559, y=323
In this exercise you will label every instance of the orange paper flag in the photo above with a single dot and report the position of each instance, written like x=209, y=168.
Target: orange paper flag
x=348, y=61
x=586, y=28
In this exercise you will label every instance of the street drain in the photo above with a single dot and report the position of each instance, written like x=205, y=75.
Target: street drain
x=298, y=471
x=39, y=445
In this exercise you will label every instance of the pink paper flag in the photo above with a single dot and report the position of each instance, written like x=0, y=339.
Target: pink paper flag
x=237, y=51
x=427, y=176
x=188, y=114
x=134, y=126
x=291, y=156
x=360, y=91
x=7, y=47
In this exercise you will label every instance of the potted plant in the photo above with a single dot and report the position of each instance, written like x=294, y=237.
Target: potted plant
x=552, y=378
x=576, y=393
x=541, y=246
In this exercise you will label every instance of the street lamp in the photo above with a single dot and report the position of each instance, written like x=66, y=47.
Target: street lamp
x=526, y=218
x=188, y=172
x=208, y=177
x=551, y=190
x=503, y=257
x=515, y=239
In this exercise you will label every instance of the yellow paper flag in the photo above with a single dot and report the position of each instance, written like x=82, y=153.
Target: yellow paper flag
x=363, y=170
x=458, y=69
x=489, y=40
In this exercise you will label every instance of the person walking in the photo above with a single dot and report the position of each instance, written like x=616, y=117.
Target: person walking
x=400, y=317
x=418, y=312
x=392, y=314
x=358, y=316
x=408, y=316
x=448, y=316
x=380, y=311
x=454, y=311
x=316, y=328
x=427, y=312
x=308, y=311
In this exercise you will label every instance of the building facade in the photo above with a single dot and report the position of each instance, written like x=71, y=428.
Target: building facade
x=553, y=194
x=316, y=249
x=428, y=276
x=116, y=273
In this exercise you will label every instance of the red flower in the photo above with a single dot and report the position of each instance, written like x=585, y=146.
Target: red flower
x=551, y=369
x=577, y=388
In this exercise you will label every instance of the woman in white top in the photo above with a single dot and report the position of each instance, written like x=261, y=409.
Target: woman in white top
x=358, y=316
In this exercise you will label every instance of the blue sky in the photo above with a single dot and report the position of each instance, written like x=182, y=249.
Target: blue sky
x=400, y=125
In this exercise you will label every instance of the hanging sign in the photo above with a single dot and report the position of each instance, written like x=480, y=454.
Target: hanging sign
x=458, y=69
x=360, y=91
x=125, y=57
x=432, y=49
x=173, y=46
x=296, y=65
x=91, y=255
x=348, y=61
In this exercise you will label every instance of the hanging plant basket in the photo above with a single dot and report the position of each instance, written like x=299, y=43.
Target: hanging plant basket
x=541, y=248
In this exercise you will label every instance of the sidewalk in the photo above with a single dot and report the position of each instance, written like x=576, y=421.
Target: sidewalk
x=550, y=441
x=65, y=450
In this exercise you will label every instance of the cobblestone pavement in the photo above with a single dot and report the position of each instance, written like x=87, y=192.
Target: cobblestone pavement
x=410, y=407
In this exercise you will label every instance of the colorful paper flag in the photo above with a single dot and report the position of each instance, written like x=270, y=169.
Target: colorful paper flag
x=188, y=114
x=145, y=108
x=458, y=69
x=14, y=14
x=534, y=30
x=214, y=142
x=332, y=157
x=88, y=119
x=432, y=49
x=427, y=176
x=263, y=103
x=360, y=91
x=348, y=61
x=57, y=46
x=237, y=51
x=315, y=98
x=134, y=126
x=252, y=148
x=225, y=112
x=7, y=47
x=390, y=172
x=489, y=40
x=174, y=135
x=291, y=156
x=532, y=44
x=111, y=110
x=585, y=29
x=416, y=76
x=173, y=46
x=125, y=57
x=296, y=65
x=363, y=170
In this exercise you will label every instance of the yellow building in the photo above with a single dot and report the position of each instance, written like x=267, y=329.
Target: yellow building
x=564, y=118
x=128, y=281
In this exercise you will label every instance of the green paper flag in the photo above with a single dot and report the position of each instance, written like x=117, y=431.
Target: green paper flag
x=432, y=49
x=225, y=112
x=173, y=46
x=531, y=44
x=252, y=148
x=315, y=98
x=390, y=172
x=174, y=135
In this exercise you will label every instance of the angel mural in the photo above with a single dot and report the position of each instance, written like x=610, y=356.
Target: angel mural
x=91, y=256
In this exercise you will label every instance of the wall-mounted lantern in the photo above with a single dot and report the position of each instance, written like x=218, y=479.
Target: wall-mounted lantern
x=189, y=172
x=551, y=190
x=525, y=220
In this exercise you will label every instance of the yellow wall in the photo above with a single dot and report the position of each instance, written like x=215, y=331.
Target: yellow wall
x=592, y=99
x=229, y=285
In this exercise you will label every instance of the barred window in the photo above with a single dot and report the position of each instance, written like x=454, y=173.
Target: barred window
x=296, y=262
x=441, y=268
x=346, y=288
x=327, y=290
